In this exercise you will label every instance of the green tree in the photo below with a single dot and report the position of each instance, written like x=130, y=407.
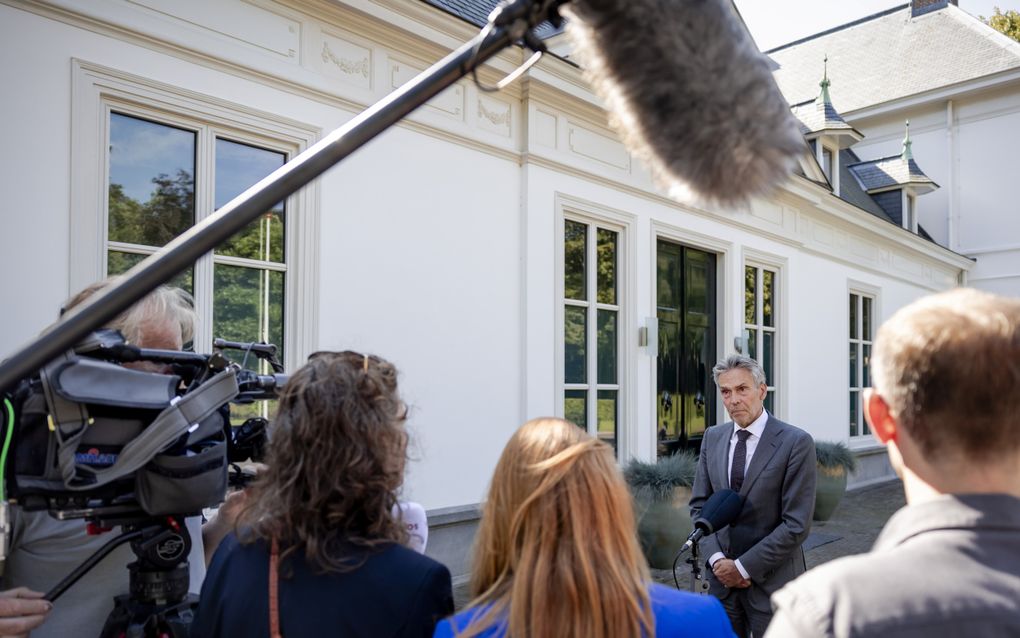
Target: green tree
x=1007, y=23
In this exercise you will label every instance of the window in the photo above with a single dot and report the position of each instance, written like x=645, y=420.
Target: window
x=149, y=160
x=760, y=324
x=827, y=163
x=157, y=191
x=862, y=317
x=910, y=212
x=591, y=330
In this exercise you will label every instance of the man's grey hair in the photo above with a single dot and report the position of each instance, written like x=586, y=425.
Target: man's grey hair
x=163, y=303
x=744, y=362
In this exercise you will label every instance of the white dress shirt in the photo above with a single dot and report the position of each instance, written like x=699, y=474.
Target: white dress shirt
x=756, y=429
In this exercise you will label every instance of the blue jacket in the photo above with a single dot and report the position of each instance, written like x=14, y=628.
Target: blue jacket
x=677, y=613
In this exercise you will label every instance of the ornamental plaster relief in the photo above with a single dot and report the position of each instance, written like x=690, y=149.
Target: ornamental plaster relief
x=494, y=115
x=346, y=61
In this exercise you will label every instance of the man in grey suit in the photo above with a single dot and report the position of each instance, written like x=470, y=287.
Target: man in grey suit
x=945, y=403
x=771, y=465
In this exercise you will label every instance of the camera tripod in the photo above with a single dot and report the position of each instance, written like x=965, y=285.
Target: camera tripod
x=157, y=604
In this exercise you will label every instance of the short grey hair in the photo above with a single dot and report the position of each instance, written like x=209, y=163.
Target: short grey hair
x=744, y=362
x=163, y=303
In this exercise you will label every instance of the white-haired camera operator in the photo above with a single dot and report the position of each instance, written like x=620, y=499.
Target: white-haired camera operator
x=44, y=550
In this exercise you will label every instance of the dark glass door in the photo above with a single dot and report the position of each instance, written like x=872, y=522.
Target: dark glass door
x=685, y=393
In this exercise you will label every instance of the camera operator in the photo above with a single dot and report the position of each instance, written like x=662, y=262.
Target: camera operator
x=44, y=549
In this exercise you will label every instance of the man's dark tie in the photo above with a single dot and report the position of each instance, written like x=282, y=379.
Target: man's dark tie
x=739, y=461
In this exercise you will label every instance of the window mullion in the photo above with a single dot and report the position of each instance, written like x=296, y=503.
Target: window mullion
x=591, y=283
x=205, y=198
x=759, y=302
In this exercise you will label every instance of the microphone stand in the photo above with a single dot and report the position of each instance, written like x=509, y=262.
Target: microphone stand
x=512, y=21
x=699, y=585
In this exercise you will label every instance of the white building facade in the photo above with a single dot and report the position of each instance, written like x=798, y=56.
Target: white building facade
x=957, y=81
x=503, y=250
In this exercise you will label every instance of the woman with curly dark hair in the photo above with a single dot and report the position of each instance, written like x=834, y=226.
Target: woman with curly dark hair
x=317, y=550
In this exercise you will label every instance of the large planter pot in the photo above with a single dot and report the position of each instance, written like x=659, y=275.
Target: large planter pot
x=829, y=491
x=663, y=525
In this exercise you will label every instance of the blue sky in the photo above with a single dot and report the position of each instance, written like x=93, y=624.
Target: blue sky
x=776, y=22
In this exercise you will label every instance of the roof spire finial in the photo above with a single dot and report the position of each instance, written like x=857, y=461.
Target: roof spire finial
x=824, y=96
x=907, y=153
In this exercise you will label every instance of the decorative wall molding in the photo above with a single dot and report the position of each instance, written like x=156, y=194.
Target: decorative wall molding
x=494, y=115
x=450, y=102
x=351, y=60
x=258, y=24
x=591, y=145
x=499, y=119
x=544, y=128
x=571, y=126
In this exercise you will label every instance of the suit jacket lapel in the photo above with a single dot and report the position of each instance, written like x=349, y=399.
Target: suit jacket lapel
x=763, y=453
x=722, y=454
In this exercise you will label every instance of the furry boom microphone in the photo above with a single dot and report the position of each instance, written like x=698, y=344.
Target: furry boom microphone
x=689, y=92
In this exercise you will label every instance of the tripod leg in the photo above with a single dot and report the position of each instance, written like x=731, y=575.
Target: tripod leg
x=89, y=563
x=130, y=619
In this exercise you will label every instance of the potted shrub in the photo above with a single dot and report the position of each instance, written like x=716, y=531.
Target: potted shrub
x=661, y=492
x=835, y=462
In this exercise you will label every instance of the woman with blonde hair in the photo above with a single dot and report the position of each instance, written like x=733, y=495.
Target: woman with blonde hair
x=319, y=551
x=557, y=552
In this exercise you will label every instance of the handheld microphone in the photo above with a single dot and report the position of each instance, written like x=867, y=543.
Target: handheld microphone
x=689, y=93
x=721, y=509
x=414, y=519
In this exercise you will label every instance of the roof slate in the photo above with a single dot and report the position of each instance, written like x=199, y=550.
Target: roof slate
x=477, y=13
x=850, y=189
x=889, y=171
x=820, y=116
x=890, y=55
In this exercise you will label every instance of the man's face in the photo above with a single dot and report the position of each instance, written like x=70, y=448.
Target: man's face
x=741, y=396
x=157, y=334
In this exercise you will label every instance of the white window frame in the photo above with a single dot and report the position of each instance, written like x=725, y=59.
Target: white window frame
x=909, y=206
x=596, y=216
x=864, y=436
x=98, y=90
x=821, y=147
x=778, y=266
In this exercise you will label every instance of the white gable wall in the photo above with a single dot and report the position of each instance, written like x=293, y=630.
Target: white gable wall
x=437, y=245
x=965, y=144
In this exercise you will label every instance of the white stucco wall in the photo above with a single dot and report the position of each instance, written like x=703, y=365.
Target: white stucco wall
x=421, y=263
x=965, y=144
x=437, y=243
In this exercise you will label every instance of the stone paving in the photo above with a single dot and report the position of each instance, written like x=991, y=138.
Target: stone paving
x=851, y=530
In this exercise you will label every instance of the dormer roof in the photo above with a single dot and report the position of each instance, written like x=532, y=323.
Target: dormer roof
x=887, y=173
x=820, y=118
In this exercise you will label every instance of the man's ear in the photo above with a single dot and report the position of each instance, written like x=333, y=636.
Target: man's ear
x=879, y=417
x=764, y=389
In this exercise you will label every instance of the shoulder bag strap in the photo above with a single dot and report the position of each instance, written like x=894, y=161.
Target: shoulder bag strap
x=183, y=414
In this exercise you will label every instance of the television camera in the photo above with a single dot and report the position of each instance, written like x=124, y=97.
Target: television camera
x=98, y=437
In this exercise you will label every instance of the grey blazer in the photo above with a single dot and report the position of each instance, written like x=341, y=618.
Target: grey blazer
x=779, y=500
x=945, y=567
